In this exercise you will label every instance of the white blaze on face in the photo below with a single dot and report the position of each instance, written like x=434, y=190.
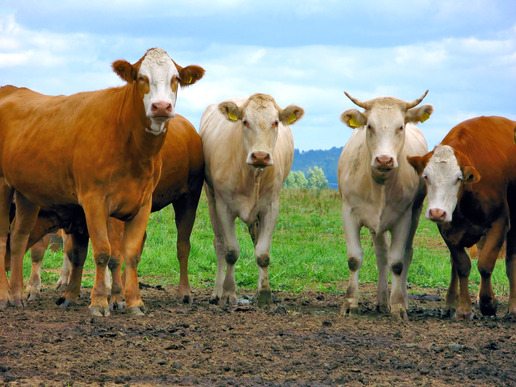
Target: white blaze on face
x=158, y=69
x=443, y=178
x=260, y=125
x=385, y=136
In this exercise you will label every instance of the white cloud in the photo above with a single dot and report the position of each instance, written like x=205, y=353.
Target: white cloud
x=467, y=76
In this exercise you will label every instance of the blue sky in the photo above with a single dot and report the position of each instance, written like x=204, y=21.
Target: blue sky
x=302, y=52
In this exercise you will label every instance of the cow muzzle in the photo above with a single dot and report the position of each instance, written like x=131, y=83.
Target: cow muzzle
x=161, y=110
x=437, y=215
x=259, y=159
x=384, y=163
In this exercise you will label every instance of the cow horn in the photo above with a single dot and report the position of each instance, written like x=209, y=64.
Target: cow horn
x=365, y=105
x=416, y=102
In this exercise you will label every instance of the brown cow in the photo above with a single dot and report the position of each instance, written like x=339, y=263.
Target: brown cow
x=471, y=184
x=181, y=180
x=100, y=158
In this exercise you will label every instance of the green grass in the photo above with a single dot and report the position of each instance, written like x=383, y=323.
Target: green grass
x=308, y=251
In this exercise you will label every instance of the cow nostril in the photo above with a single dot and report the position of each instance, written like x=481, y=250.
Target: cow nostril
x=385, y=161
x=161, y=107
x=437, y=213
x=260, y=157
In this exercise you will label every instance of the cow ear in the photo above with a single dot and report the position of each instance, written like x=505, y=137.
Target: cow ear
x=353, y=118
x=291, y=114
x=125, y=70
x=418, y=163
x=189, y=75
x=470, y=174
x=419, y=114
x=231, y=111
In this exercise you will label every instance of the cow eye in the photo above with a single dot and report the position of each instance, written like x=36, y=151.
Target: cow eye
x=142, y=79
x=401, y=128
x=246, y=123
x=275, y=124
x=425, y=177
x=370, y=127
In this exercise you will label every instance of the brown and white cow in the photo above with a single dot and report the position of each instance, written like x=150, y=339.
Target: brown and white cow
x=380, y=191
x=100, y=156
x=471, y=182
x=248, y=151
x=180, y=184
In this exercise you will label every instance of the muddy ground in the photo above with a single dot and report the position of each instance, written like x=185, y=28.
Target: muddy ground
x=301, y=340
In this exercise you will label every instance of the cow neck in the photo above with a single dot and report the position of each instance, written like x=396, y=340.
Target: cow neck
x=132, y=116
x=258, y=173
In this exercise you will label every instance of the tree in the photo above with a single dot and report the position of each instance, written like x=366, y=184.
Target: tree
x=317, y=179
x=296, y=179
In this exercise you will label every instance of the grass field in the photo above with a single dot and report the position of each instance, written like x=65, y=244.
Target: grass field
x=308, y=251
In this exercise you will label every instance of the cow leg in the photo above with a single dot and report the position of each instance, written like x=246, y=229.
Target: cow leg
x=185, y=210
x=24, y=221
x=66, y=268
x=226, y=248
x=218, y=244
x=132, y=248
x=382, y=295
x=510, y=269
x=462, y=265
x=6, y=195
x=486, y=262
x=96, y=220
x=75, y=248
x=114, y=284
x=263, y=243
x=355, y=257
x=452, y=296
x=37, y=252
x=400, y=256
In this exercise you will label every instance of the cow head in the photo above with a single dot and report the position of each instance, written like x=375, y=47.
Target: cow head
x=260, y=119
x=157, y=79
x=384, y=120
x=445, y=171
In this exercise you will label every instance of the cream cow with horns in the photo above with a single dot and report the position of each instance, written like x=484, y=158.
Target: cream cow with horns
x=381, y=191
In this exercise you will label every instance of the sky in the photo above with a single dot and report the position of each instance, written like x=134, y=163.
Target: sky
x=300, y=52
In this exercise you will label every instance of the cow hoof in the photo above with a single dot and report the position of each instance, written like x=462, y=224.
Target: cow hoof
x=99, y=311
x=214, y=300
x=117, y=305
x=187, y=299
x=383, y=309
x=399, y=312
x=488, y=309
x=349, y=307
x=463, y=315
x=264, y=298
x=33, y=296
x=229, y=299
x=136, y=311
x=17, y=303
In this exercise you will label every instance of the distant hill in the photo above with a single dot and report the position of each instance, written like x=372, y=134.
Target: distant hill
x=325, y=159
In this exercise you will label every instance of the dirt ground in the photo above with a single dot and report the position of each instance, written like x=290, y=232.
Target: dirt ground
x=300, y=340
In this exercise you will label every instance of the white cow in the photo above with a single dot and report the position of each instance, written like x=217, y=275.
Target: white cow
x=248, y=151
x=381, y=191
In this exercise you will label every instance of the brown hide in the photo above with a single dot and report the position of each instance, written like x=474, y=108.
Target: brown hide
x=180, y=183
x=97, y=154
x=485, y=209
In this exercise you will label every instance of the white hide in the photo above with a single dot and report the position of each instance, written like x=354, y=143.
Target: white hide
x=236, y=189
x=159, y=69
x=380, y=208
x=373, y=205
x=443, y=178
